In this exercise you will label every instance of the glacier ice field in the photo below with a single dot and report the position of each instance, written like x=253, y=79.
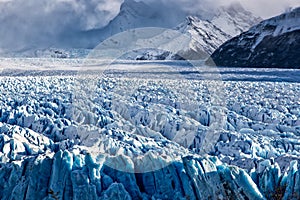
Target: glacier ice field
x=178, y=133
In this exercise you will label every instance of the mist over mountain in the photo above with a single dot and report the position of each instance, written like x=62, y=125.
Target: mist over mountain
x=42, y=23
x=37, y=24
x=210, y=27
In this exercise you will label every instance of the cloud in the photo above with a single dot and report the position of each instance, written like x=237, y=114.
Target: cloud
x=269, y=8
x=37, y=22
x=262, y=8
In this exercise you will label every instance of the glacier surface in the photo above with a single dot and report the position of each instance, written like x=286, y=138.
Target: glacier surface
x=143, y=135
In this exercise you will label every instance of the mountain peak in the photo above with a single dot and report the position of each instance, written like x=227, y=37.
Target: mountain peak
x=234, y=19
x=131, y=7
x=235, y=10
x=236, y=7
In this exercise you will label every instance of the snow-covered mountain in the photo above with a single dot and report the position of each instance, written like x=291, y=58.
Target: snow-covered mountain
x=234, y=19
x=210, y=32
x=205, y=35
x=135, y=14
x=271, y=43
x=207, y=29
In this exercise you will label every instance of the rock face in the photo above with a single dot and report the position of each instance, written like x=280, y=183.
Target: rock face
x=272, y=43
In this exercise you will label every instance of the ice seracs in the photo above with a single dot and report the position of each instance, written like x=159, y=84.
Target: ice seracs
x=66, y=136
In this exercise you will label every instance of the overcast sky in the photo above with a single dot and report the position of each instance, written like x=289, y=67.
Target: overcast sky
x=269, y=8
x=262, y=8
x=265, y=8
x=25, y=22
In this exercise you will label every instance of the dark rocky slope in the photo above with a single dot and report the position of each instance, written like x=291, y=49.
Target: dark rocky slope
x=272, y=43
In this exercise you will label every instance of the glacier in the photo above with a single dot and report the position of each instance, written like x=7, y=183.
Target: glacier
x=131, y=136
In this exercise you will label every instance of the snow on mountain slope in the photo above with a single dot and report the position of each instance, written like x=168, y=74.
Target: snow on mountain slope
x=70, y=137
x=135, y=14
x=205, y=35
x=272, y=43
x=234, y=19
x=208, y=29
x=210, y=32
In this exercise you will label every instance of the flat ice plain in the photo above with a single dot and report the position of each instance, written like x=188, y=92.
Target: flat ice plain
x=70, y=129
